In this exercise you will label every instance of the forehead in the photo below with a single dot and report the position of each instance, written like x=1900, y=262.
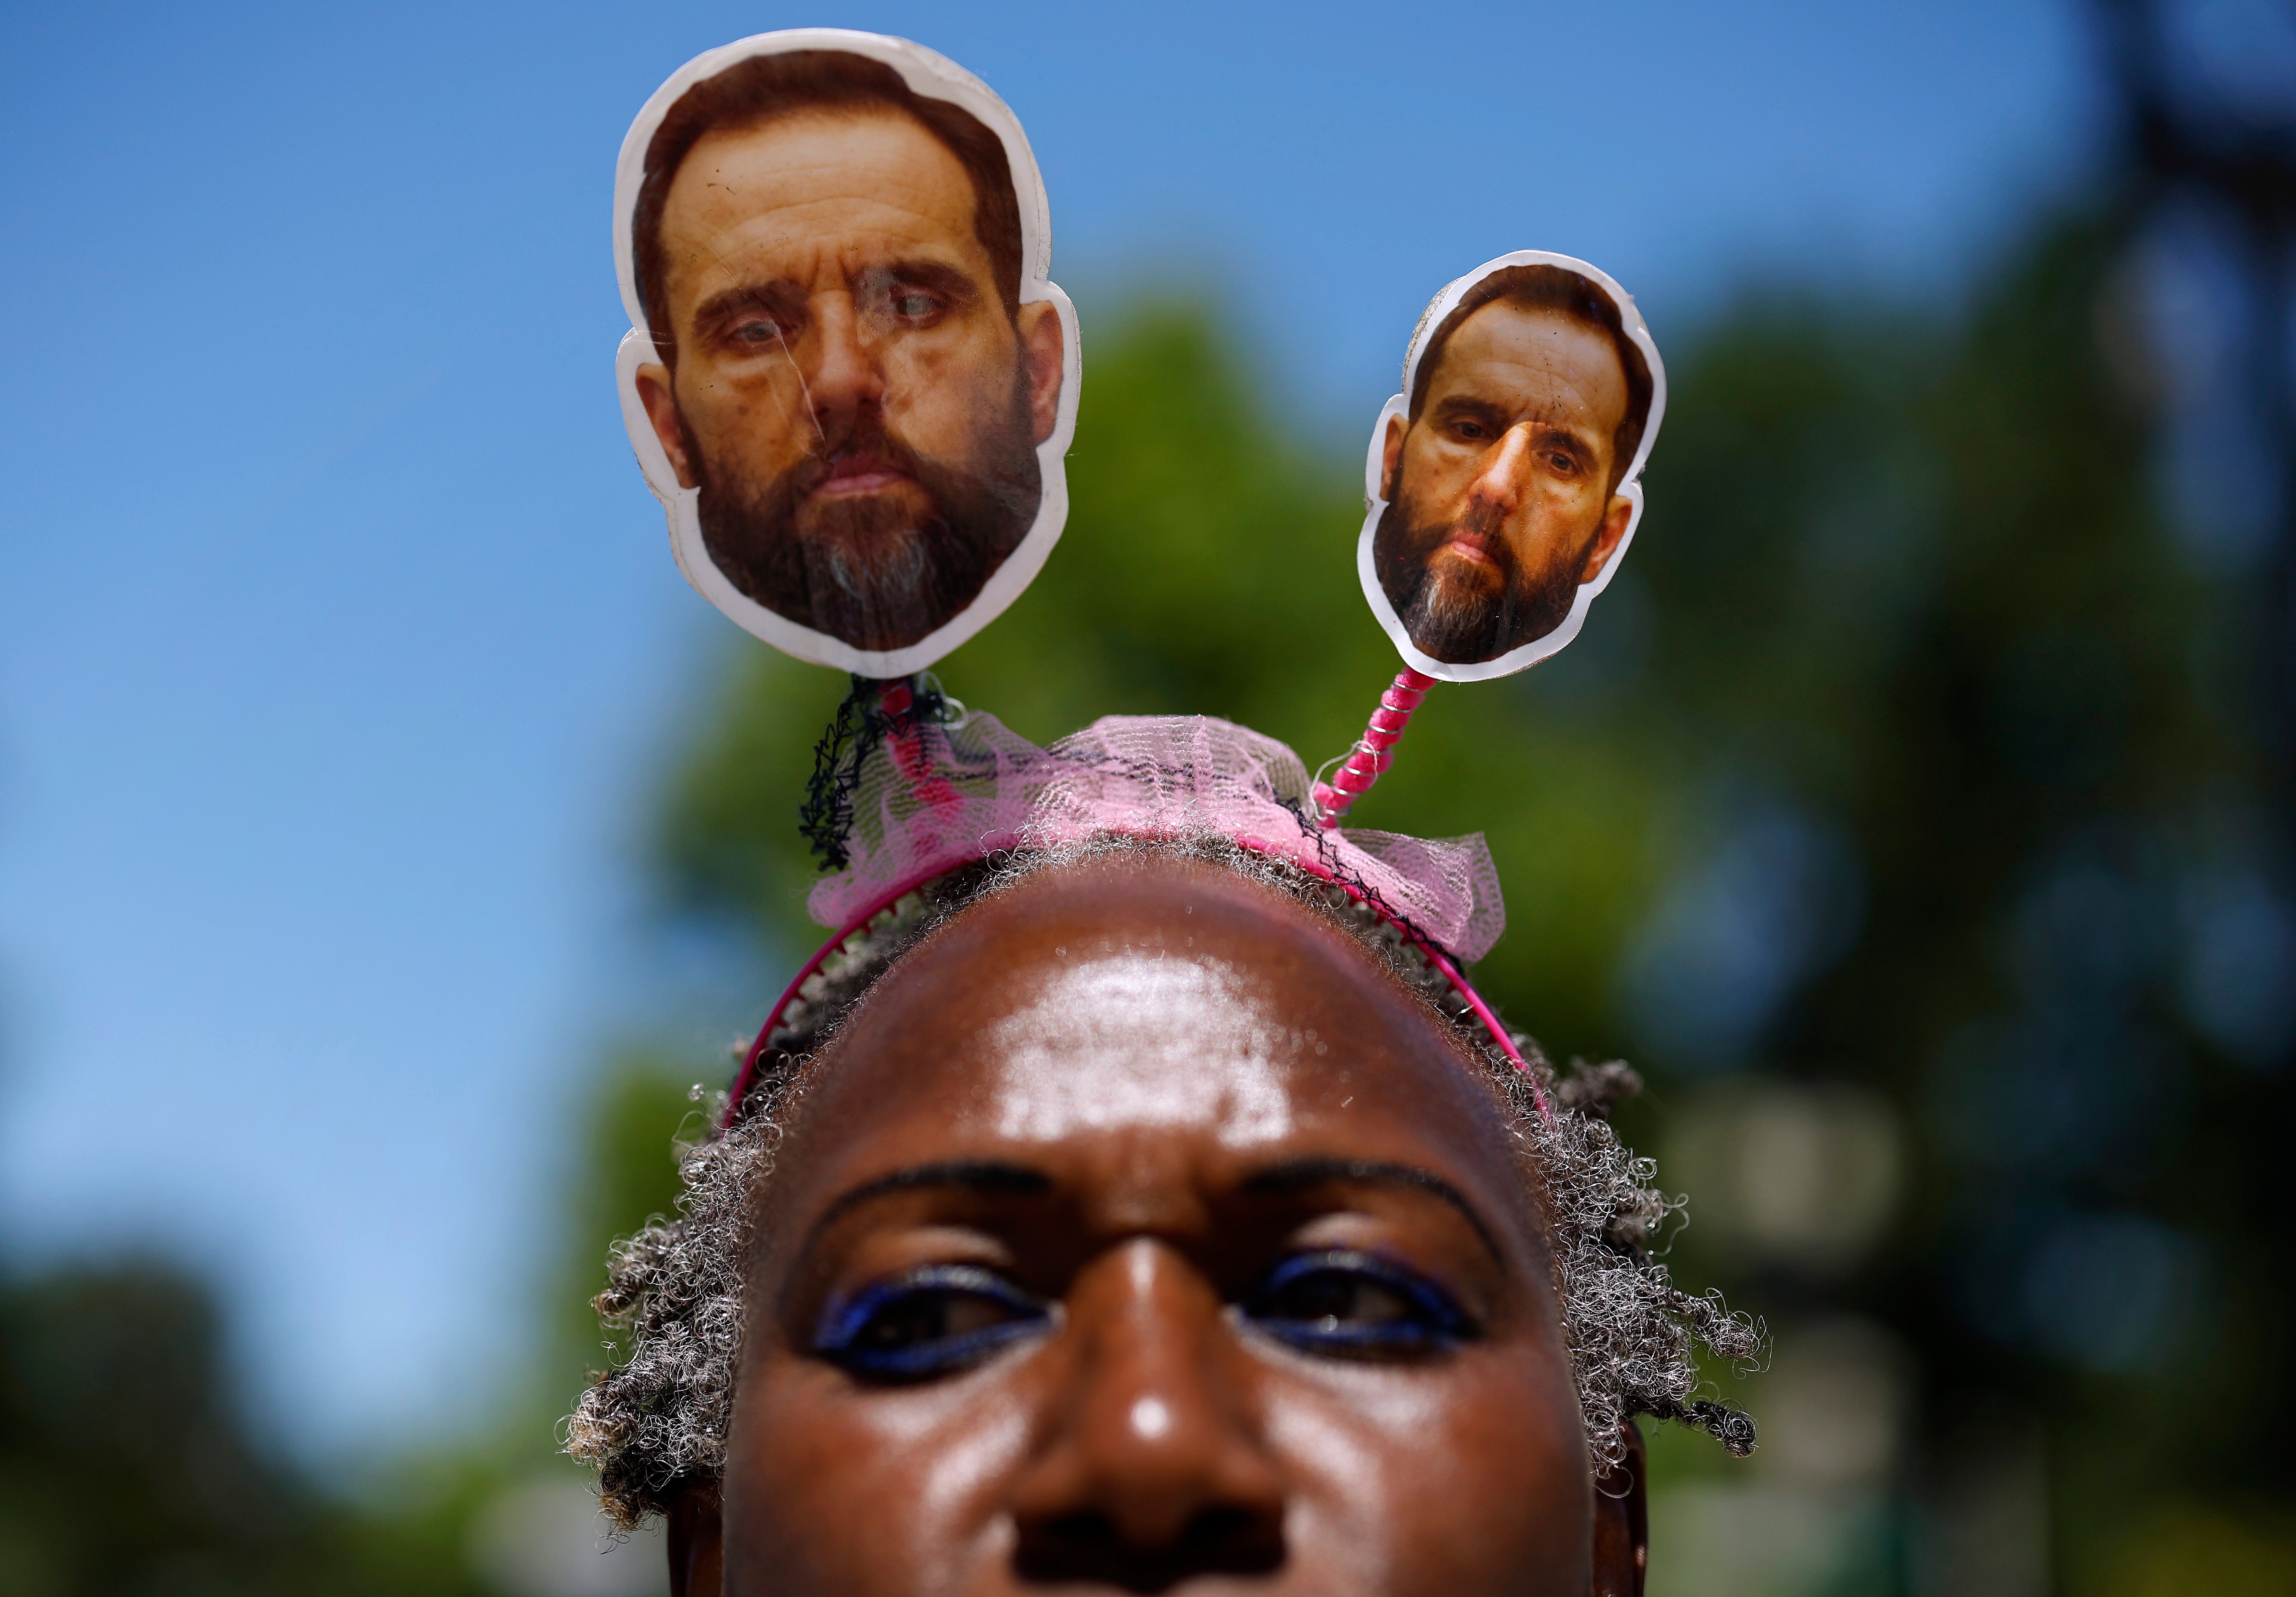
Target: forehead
x=839, y=177
x=1175, y=1009
x=1533, y=361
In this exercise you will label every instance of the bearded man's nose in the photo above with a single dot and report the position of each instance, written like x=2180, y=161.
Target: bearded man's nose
x=1154, y=1466
x=846, y=377
x=1500, y=483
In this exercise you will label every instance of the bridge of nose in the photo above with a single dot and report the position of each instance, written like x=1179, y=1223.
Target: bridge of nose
x=1158, y=1422
x=1504, y=469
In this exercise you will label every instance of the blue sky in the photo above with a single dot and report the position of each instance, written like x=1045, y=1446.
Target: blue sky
x=340, y=648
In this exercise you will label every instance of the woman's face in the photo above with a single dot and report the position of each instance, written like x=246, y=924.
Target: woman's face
x=1138, y=1233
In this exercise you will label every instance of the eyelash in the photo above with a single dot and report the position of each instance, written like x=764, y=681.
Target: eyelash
x=1429, y=1321
x=763, y=330
x=861, y=1335
x=1473, y=432
x=845, y=1339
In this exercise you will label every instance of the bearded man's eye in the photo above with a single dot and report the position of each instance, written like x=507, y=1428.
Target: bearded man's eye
x=929, y=1322
x=903, y=304
x=1349, y=1304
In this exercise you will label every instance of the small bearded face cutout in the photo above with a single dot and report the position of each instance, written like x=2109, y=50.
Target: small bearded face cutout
x=853, y=381
x=1502, y=478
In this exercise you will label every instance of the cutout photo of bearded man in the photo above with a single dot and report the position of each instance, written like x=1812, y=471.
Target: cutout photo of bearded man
x=831, y=268
x=1503, y=476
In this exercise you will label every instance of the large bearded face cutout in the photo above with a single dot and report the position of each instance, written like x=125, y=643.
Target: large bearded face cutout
x=849, y=381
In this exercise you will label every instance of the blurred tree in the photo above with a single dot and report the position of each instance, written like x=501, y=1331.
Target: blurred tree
x=2206, y=96
x=2014, y=741
x=129, y=1469
x=126, y=1469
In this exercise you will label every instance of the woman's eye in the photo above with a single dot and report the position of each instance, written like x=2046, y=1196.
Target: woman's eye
x=935, y=1321
x=1355, y=1304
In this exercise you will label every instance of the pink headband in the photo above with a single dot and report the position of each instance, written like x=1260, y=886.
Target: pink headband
x=930, y=798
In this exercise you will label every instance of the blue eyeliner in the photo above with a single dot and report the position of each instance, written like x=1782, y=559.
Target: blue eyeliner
x=1432, y=1324
x=865, y=1334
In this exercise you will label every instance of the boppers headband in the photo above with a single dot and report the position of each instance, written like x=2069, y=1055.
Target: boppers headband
x=933, y=795
x=851, y=384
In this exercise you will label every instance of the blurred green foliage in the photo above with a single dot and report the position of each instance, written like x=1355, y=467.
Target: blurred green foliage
x=127, y=1467
x=130, y=1466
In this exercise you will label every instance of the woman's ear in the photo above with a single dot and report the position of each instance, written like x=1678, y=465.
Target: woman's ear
x=1622, y=1520
x=697, y=1543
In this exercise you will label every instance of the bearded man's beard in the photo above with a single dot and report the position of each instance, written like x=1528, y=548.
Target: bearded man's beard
x=1459, y=614
x=872, y=570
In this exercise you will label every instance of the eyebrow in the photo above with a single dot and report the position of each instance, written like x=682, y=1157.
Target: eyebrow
x=1497, y=415
x=784, y=294
x=987, y=1178
x=935, y=275
x=993, y=1178
x=1557, y=434
x=775, y=295
x=1299, y=1175
x=1468, y=405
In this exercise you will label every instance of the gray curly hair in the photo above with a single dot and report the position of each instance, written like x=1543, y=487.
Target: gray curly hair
x=657, y=1421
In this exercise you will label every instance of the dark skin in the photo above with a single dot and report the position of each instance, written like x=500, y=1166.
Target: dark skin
x=1140, y=1232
